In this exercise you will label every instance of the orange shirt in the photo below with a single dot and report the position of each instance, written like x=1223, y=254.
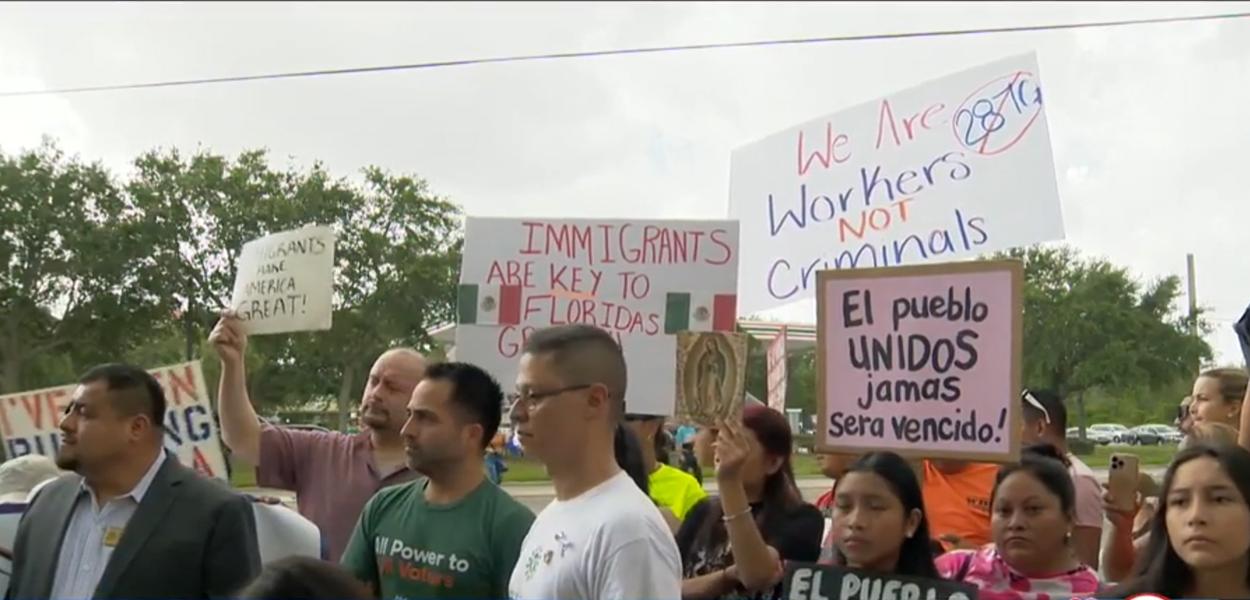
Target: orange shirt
x=959, y=503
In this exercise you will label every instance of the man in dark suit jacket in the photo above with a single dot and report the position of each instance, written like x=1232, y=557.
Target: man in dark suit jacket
x=131, y=522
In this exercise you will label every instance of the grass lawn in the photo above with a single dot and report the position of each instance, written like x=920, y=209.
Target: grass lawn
x=1151, y=456
x=525, y=470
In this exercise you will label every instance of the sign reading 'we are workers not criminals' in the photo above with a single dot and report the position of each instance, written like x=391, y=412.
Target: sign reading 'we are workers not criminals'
x=948, y=169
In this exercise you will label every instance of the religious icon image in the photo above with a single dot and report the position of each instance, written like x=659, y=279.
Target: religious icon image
x=711, y=376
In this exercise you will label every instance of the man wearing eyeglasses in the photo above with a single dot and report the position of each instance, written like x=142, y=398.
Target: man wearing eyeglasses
x=601, y=538
x=1046, y=422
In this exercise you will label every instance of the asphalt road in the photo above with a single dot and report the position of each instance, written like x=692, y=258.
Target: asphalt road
x=538, y=495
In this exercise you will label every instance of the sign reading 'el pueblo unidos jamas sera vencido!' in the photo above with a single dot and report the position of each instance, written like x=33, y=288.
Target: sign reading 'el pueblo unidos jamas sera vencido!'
x=921, y=360
x=644, y=281
x=948, y=169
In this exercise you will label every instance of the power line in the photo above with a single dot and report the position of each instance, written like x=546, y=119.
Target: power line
x=619, y=52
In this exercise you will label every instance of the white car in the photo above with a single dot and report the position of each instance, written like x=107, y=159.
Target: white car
x=1119, y=434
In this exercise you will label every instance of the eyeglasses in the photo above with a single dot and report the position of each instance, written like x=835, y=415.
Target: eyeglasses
x=532, y=398
x=1032, y=400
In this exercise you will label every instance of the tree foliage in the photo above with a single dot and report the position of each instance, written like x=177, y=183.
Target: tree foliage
x=1090, y=325
x=139, y=271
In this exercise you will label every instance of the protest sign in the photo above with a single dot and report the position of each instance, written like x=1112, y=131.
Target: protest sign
x=711, y=376
x=642, y=281
x=285, y=282
x=952, y=168
x=29, y=421
x=777, y=374
x=923, y=360
x=805, y=581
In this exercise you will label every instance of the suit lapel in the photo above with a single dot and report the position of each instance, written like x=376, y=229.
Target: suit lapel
x=147, y=517
x=60, y=510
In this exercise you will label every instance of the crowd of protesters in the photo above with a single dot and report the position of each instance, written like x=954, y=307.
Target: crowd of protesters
x=407, y=509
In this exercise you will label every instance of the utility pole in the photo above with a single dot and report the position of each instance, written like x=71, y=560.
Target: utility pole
x=1193, y=300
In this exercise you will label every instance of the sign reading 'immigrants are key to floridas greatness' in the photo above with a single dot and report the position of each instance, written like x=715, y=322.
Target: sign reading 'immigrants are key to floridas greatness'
x=923, y=361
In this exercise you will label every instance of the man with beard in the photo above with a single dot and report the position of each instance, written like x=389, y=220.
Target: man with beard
x=453, y=534
x=130, y=522
x=332, y=474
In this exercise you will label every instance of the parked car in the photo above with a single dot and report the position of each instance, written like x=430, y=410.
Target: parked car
x=1101, y=438
x=1145, y=435
x=1166, y=434
x=1119, y=434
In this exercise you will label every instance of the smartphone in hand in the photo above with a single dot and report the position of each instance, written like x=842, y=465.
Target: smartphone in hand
x=1122, y=480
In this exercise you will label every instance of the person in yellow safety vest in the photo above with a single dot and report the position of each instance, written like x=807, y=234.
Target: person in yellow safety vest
x=670, y=487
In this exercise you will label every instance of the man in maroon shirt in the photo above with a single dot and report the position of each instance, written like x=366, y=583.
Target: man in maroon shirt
x=332, y=474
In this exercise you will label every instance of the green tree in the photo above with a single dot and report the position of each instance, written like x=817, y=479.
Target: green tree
x=69, y=283
x=1089, y=324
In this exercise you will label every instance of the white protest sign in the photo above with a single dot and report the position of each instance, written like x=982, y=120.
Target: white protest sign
x=285, y=282
x=29, y=421
x=642, y=281
x=949, y=169
x=777, y=375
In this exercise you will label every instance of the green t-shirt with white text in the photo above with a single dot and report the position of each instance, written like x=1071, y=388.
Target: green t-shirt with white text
x=408, y=549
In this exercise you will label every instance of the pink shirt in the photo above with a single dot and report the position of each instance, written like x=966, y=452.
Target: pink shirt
x=1088, y=494
x=331, y=473
x=996, y=580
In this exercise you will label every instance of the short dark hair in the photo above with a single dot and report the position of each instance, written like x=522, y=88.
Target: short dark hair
x=132, y=390
x=474, y=391
x=1050, y=400
x=585, y=353
x=304, y=577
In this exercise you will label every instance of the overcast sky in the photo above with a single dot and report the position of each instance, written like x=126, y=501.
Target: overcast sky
x=1148, y=123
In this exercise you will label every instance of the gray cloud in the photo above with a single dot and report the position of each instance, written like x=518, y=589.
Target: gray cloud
x=1147, y=122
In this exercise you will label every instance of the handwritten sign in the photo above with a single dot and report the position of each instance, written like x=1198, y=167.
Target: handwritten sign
x=285, y=282
x=805, y=581
x=948, y=169
x=642, y=281
x=923, y=360
x=777, y=375
x=711, y=376
x=29, y=421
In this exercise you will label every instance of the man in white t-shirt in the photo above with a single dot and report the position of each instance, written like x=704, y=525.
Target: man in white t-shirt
x=1046, y=422
x=601, y=538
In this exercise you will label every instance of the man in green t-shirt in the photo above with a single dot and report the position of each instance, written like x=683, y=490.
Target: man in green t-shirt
x=453, y=533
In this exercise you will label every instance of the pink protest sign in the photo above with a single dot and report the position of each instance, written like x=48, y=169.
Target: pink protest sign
x=923, y=361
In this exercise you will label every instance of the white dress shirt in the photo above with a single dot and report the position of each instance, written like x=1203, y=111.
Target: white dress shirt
x=92, y=535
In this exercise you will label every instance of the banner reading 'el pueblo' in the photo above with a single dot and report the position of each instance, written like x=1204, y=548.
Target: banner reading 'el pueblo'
x=29, y=421
x=804, y=581
x=285, y=282
x=952, y=168
x=922, y=360
x=642, y=281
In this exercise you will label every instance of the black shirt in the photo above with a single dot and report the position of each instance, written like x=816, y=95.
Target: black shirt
x=795, y=535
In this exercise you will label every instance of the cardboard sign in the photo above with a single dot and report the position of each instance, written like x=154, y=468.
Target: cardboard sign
x=924, y=361
x=711, y=376
x=642, y=281
x=777, y=375
x=285, y=282
x=952, y=168
x=30, y=421
x=804, y=581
